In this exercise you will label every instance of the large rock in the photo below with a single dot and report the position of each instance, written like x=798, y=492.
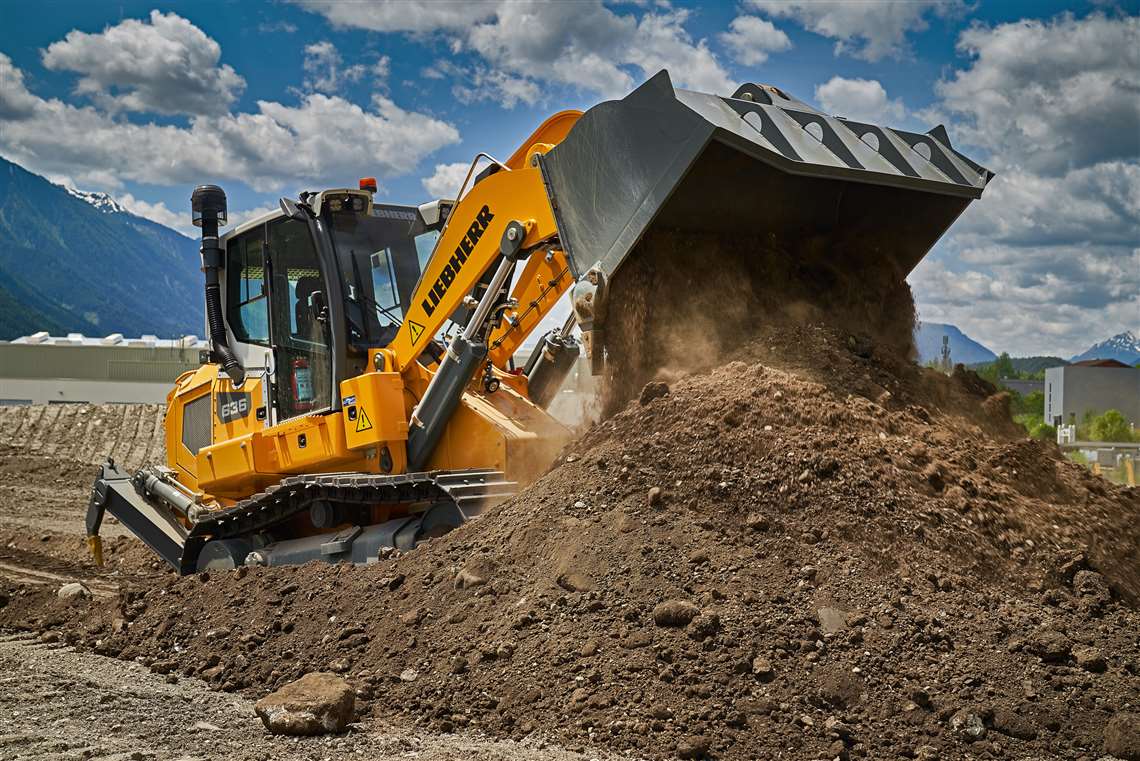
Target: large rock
x=1122, y=736
x=73, y=591
x=675, y=613
x=315, y=704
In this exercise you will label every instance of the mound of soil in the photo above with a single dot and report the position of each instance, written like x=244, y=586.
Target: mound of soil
x=814, y=550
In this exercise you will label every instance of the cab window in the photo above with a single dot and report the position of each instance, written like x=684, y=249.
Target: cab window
x=303, y=380
x=246, y=293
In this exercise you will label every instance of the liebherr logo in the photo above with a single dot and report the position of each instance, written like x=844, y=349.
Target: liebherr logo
x=457, y=260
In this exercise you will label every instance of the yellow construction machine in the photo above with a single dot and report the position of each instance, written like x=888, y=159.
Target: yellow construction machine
x=360, y=391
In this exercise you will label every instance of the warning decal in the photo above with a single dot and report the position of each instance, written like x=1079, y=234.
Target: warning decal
x=417, y=330
x=362, y=421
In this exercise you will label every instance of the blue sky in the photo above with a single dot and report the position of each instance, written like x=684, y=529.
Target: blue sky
x=143, y=100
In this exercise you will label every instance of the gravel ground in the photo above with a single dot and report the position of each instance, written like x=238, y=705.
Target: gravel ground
x=61, y=704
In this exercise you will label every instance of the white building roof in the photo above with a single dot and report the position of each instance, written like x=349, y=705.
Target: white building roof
x=115, y=339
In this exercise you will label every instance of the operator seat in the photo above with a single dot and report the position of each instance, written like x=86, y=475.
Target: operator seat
x=306, y=287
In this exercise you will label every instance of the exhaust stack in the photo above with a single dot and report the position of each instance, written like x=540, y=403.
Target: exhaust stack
x=208, y=204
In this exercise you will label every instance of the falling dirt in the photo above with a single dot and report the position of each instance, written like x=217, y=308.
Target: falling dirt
x=686, y=300
x=797, y=545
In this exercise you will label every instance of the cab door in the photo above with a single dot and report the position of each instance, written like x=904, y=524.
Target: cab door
x=298, y=324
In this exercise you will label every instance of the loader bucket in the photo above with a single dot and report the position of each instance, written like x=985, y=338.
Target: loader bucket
x=758, y=164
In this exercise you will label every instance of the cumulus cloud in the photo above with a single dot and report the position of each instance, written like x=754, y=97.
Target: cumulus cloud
x=446, y=179
x=325, y=70
x=1048, y=95
x=157, y=212
x=1045, y=314
x=1048, y=261
x=867, y=30
x=268, y=148
x=429, y=16
x=165, y=65
x=521, y=43
x=859, y=99
x=752, y=39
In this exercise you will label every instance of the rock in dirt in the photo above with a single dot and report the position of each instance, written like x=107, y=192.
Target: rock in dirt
x=654, y=390
x=73, y=591
x=968, y=725
x=317, y=703
x=675, y=613
x=1009, y=722
x=575, y=582
x=1049, y=645
x=832, y=620
x=704, y=626
x=1122, y=736
x=692, y=747
x=1090, y=659
x=466, y=579
x=762, y=668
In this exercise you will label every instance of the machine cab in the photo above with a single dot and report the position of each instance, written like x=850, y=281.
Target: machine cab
x=305, y=296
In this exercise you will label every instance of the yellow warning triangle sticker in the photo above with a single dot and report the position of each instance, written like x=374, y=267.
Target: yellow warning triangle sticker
x=417, y=330
x=362, y=421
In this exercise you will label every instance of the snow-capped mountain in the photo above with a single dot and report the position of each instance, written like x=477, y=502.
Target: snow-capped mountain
x=100, y=201
x=1124, y=347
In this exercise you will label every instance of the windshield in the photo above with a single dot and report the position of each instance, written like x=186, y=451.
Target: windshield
x=379, y=259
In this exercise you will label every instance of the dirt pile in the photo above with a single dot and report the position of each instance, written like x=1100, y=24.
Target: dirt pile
x=814, y=550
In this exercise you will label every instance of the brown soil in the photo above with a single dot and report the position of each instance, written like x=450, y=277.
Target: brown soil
x=811, y=548
x=865, y=542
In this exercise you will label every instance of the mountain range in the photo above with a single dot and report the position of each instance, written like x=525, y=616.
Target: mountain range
x=1124, y=347
x=963, y=349
x=73, y=262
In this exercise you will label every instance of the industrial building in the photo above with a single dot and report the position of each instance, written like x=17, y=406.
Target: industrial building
x=43, y=369
x=1094, y=386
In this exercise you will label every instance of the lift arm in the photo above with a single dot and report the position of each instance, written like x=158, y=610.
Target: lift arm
x=540, y=285
x=468, y=247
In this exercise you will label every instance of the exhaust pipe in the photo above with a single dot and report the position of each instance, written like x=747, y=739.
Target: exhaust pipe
x=208, y=204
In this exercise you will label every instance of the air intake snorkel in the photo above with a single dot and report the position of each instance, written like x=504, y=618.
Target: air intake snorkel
x=209, y=206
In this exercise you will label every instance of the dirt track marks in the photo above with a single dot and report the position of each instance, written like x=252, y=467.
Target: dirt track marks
x=86, y=433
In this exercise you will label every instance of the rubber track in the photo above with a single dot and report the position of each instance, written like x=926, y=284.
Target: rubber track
x=296, y=493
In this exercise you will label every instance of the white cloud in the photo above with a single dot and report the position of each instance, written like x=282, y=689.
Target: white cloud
x=269, y=148
x=428, y=16
x=867, y=30
x=446, y=179
x=859, y=99
x=751, y=39
x=157, y=212
x=1098, y=204
x=1050, y=315
x=661, y=42
x=1048, y=261
x=15, y=100
x=1050, y=95
x=165, y=66
x=1042, y=265
x=244, y=215
x=275, y=27
x=522, y=43
x=325, y=70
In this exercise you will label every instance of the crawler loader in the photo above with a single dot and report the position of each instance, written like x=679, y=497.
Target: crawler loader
x=360, y=392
